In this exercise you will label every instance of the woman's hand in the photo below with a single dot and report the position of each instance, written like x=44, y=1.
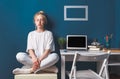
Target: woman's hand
x=34, y=59
x=36, y=64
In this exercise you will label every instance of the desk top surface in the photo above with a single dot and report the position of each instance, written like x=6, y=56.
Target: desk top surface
x=64, y=52
x=113, y=50
x=89, y=53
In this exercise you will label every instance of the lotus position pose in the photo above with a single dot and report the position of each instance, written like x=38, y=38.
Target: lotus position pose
x=40, y=48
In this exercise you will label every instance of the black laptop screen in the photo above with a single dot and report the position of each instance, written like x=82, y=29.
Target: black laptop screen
x=76, y=42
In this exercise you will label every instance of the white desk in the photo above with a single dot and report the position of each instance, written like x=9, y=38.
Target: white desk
x=68, y=56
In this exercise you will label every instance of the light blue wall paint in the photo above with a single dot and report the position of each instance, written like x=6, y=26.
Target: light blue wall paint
x=16, y=20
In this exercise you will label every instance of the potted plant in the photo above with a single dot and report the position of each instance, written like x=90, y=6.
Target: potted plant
x=62, y=42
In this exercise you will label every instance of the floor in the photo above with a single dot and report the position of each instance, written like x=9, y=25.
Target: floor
x=114, y=76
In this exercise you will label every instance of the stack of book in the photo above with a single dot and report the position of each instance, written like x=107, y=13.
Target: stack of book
x=94, y=48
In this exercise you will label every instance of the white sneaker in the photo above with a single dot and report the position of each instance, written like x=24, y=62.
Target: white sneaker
x=25, y=67
x=21, y=71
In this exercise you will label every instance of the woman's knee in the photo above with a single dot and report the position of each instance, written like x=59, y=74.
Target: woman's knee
x=55, y=56
x=20, y=56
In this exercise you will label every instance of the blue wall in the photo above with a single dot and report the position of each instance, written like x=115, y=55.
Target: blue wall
x=16, y=20
x=117, y=23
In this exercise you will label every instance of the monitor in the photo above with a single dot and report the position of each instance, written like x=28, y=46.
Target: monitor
x=76, y=42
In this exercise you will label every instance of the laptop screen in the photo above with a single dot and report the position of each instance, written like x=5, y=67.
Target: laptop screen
x=76, y=42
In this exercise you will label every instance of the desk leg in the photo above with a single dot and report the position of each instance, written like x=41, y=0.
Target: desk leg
x=62, y=67
x=99, y=65
x=107, y=71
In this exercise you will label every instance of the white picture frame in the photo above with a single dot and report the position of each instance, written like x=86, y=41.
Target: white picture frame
x=76, y=19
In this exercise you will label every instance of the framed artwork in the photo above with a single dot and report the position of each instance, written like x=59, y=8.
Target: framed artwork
x=76, y=13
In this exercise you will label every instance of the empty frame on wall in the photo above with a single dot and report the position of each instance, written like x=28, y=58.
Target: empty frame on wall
x=76, y=13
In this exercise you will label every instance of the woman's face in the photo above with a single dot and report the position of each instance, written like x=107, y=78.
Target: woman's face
x=39, y=21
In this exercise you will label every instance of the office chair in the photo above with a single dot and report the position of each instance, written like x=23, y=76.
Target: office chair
x=90, y=74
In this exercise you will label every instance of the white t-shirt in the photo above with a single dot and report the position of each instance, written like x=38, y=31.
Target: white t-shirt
x=39, y=42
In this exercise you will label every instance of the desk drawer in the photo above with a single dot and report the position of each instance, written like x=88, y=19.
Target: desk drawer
x=86, y=57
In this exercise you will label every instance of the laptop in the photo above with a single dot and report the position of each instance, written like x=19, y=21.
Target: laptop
x=76, y=42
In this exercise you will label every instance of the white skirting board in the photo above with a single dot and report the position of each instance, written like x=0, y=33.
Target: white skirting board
x=36, y=76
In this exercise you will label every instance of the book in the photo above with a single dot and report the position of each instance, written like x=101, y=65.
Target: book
x=94, y=48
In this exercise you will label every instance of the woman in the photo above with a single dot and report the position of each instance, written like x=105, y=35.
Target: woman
x=40, y=44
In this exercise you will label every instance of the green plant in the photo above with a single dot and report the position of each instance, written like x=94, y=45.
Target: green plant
x=61, y=42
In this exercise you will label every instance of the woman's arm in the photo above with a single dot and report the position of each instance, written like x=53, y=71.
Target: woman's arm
x=32, y=55
x=35, y=60
x=45, y=54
